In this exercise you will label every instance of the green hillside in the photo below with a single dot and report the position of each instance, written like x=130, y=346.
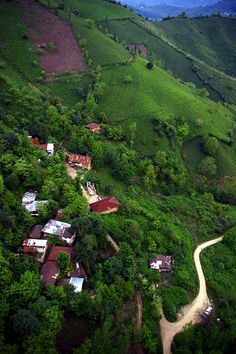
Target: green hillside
x=102, y=49
x=97, y=10
x=16, y=44
x=155, y=93
x=170, y=57
x=212, y=40
x=165, y=150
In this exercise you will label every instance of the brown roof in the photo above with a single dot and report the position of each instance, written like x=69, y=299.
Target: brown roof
x=49, y=272
x=43, y=146
x=60, y=249
x=36, y=231
x=93, y=126
x=105, y=204
x=77, y=158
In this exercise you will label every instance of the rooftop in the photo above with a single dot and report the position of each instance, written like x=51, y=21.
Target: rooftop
x=80, y=159
x=36, y=231
x=60, y=249
x=105, y=204
x=161, y=262
x=30, y=242
x=77, y=283
x=56, y=227
x=49, y=273
x=93, y=126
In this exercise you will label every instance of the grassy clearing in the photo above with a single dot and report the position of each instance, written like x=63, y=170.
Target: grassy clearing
x=212, y=40
x=155, y=93
x=69, y=88
x=98, y=10
x=15, y=47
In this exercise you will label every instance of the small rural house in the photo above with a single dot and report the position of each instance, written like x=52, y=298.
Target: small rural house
x=94, y=127
x=31, y=204
x=49, y=148
x=50, y=270
x=60, y=229
x=36, y=247
x=80, y=162
x=161, y=263
x=105, y=206
x=49, y=273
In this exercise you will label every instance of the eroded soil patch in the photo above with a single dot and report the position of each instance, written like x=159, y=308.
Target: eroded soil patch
x=60, y=51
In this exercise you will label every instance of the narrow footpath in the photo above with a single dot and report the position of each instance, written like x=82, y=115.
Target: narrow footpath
x=190, y=313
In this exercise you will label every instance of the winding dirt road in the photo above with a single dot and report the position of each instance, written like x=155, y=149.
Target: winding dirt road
x=190, y=313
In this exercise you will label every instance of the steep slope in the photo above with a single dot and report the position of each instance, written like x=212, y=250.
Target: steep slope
x=179, y=59
x=212, y=40
x=156, y=93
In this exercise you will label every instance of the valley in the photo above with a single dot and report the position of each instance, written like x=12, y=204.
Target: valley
x=117, y=170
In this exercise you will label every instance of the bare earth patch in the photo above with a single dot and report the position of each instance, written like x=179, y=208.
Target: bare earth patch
x=44, y=27
x=140, y=47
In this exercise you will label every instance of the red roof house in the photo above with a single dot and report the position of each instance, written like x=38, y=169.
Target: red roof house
x=80, y=162
x=105, y=206
x=94, y=127
x=35, y=141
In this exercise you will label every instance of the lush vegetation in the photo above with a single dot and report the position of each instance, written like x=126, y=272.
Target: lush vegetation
x=164, y=151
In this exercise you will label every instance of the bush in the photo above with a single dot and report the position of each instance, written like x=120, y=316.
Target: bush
x=51, y=47
x=210, y=145
x=149, y=65
x=127, y=79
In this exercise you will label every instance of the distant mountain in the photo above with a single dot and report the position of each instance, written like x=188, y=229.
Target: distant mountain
x=176, y=3
x=157, y=9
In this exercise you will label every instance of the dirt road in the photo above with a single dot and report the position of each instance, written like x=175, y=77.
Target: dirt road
x=190, y=313
x=113, y=243
x=140, y=311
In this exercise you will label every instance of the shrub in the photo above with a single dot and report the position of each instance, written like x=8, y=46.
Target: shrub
x=51, y=47
x=127, y=79
x=149, y=65
x=210, y=144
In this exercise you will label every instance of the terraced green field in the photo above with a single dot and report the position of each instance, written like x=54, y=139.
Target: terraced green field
x=212, y=40
x=155, y=93
x=16, y=49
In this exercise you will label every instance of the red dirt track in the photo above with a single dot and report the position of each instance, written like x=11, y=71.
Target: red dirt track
x=45, y=27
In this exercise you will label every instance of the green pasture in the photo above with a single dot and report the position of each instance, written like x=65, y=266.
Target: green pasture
x=155, y=93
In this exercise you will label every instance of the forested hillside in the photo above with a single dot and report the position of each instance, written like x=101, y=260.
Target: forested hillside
x=159, y=148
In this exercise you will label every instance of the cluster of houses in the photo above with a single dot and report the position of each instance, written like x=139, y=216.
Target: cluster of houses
x=31, y=204
x=37, y=244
